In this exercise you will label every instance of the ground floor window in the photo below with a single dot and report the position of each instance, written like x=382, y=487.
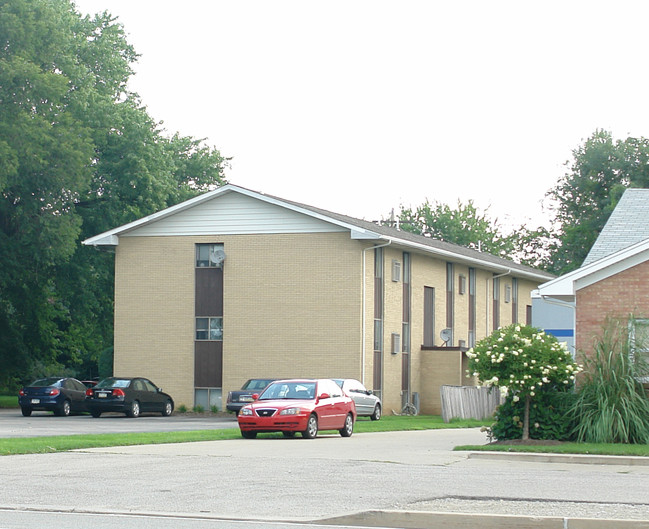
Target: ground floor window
x=639, y=346
x=208, y=398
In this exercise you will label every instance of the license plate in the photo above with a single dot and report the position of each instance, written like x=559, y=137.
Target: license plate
x=36, y=401
x=245, y=398
x=102, y=395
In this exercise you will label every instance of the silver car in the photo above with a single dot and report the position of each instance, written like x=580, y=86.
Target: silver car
x=367, y=404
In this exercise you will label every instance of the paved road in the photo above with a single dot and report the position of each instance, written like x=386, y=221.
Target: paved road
x=284, y=481
x=13, y=424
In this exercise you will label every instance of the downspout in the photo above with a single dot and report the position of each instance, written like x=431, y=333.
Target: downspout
x=509, y=271
x=364, y=304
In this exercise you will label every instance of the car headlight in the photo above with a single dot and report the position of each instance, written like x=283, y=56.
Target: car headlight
x=245, y=411
x=290, y=411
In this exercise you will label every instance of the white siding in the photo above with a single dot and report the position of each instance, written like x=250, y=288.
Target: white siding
x=233, y=213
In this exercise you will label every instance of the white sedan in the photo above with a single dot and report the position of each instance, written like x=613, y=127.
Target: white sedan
x=367, y=404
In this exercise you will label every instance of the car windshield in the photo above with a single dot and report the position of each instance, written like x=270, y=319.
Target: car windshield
x=289, y=390
x=257, y=383
x=43, y=382
x=114, y=383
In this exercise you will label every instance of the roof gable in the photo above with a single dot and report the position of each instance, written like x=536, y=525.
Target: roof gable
x=231, y=214
x=627, y=225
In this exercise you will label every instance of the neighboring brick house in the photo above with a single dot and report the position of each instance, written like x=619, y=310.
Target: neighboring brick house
x=235, y=284
x=614, y=278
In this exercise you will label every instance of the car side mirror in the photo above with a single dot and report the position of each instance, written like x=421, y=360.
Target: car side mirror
x=324, y=396
x=255, y=396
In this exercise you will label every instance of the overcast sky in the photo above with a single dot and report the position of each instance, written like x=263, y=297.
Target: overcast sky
x=361, y=107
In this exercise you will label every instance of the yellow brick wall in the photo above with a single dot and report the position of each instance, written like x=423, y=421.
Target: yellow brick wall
x=154, y=312
x=292, y=307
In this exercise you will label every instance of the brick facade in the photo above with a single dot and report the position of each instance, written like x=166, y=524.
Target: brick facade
x=619, y=296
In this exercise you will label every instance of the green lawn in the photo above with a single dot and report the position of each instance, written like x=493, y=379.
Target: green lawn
x=387, y=423
x=60, y=443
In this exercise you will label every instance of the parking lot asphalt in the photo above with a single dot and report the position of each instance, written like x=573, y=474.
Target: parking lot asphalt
x=392, y=479
x=13, y=424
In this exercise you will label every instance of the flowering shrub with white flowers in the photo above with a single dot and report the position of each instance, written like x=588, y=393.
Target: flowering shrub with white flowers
x=522, y=361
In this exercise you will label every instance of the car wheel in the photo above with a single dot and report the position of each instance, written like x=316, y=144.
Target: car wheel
x=26, y=411
x=311, y=428
x=377, y=413
x=348, y=429
x=288, y=434
x=96, y=414
x=63, y=410
x=168, y=409
x=134, y=410
x=248, y=435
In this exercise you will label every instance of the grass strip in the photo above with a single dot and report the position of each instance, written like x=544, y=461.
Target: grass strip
x=62, y=443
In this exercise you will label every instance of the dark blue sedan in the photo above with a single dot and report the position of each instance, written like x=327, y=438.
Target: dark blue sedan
x=61, y=395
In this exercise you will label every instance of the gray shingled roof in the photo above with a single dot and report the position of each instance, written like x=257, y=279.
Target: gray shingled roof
x=627, y=225
x=405, y=236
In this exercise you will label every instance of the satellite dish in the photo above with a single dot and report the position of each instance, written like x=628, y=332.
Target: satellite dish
x=217, y=256
x=446, y=335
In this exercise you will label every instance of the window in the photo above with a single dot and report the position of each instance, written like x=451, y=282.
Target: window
x=450, y=300
x=514, y=300
x=209, y=256
x=208, y=397
x=508, y=294
x=209, y=329
x=429, y=316
x=496, y=303
x=472, y=306
x=639, y=346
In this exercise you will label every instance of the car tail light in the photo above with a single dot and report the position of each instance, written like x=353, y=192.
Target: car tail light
x=118, y=393
x=89, y=392
x=21, y=393
x=54, y=391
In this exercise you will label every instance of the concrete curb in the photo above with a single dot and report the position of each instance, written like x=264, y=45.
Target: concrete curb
x=444, y=520
x=582, y=459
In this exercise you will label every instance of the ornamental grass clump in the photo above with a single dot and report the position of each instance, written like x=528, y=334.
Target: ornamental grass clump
x=522, y=361
x=612, y=405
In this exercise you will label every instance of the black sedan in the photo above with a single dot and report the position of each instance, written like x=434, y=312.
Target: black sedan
x=131, y=396
x=61, y=395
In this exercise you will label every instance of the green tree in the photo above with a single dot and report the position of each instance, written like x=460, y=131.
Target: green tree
x=584, y=198
x=78, y=155
x=522, y=361
x=470, y=227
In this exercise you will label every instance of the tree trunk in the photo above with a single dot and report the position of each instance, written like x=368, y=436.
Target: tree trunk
x=526, y=419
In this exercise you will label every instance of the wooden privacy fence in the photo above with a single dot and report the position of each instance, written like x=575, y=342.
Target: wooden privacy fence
x=468, y=402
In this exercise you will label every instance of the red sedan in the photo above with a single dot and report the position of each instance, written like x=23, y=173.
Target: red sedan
x=304, y=406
